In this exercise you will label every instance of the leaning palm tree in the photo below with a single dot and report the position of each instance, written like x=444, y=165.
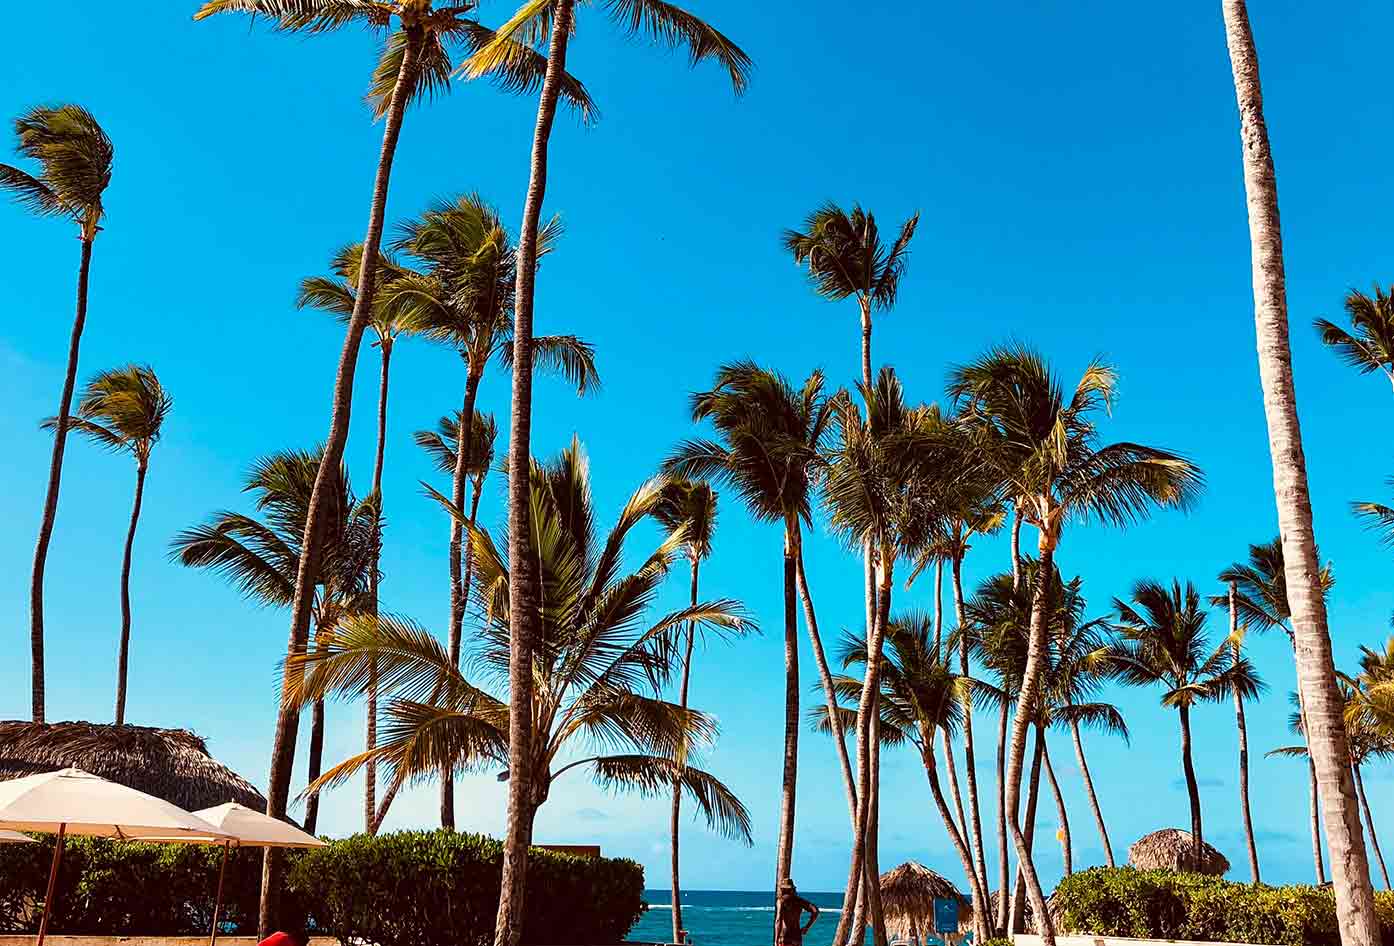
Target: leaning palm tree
x=1261, y=602
x=263, y=558
x=768, y=451
x=1237, y=633
x=74, y=157
x=124, y=410
x=553, y=22
x=1369, y=346
x=1046, y=449
x=465, y=300
x=687, y=507
x=1321, y=699
x=1161, y=641
x=415, y=64
x=847, y=259
x=599, y=677
x=335, y=294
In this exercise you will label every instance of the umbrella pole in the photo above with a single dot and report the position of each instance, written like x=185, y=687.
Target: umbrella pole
x=52, y=882
x=218, y=902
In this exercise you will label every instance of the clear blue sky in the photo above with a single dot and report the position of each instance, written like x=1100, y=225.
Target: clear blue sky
x=1077, y=171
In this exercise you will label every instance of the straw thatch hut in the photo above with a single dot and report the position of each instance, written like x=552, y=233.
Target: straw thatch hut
x=1174, y=849
x=172, y=764
x=907, y=896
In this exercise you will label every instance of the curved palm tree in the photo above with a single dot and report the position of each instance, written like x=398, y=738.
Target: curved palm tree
x=687, y=507
x=1261, y=602
x=335, y=294
x=1369, y=346
x=599, y=673
x=124, y=410
x=1162, y=641
x=1323, y=706
x=770, y=438
x=416, y=64
x=263, y=558
x=553, y=23
x=465, y=300
x=74, y=157
x=846, y=258
x=1046, y=449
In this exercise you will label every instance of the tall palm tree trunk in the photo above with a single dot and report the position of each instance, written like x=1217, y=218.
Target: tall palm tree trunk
x=1003, y=864
x=789, y=780
x=975, y=886
x=1315, y=808
x=523, y=592
x=458, y=592
x=288, y=717
x=1026, y=703
x=370, y=771
x=938, y=600
x=865, y=304
x=1243, y=732
x=970, y=764
x=951, y=768
x=1192, y=787
x=1090, y=793
x=316, y=762
x=677, y=790
x=1065, y=842
x=1370, y=823
x=871, y=874
x=55, y=474
x=820, y=658
x=1326, y=735
x=123, y=655
x=1019, y=886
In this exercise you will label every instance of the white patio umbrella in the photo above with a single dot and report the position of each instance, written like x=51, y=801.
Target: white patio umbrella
x=241, y=826
x=72, y=801
x=14, y=837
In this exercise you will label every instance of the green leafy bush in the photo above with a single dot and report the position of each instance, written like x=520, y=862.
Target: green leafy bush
x=1159, y=904
x=441, y=888
x=115, y=888
x=998, y=941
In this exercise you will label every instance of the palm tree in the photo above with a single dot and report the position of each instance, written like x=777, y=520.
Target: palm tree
x=1261, y=601
x=768, y=452
x=1313, y=796
x=124, y=410
x=415, y=64
x=1321, y=699
x=1237, y=634
x=846, y=258
x=74, y=157
x=1046, y=449
x=1367, y=722
x=335, y=294
x=465, y=300
x=598, y=678
x=1369, y=347
x=687, y=507
x=1162, y=642
x=262, y=559
x=555, y=20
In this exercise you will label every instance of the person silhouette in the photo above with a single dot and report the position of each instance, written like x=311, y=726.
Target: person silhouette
x=787, y=912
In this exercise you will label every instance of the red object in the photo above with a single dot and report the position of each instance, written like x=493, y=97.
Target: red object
x=280, y=939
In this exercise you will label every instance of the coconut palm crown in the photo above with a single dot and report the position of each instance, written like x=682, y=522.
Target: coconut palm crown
x=123, y=410
x=74, y=157
x=1369, y=345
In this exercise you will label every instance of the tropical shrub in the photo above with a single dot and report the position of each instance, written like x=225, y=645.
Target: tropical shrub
x=440, y=888
x=1160, y=904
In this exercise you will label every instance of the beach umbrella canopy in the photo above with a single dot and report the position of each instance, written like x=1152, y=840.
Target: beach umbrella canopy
x=907, y=898
x=1174, y=849
x=14, y=837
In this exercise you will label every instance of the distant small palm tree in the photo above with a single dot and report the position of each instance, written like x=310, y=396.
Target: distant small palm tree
x=1161, y=641
x=847, y=259
x=1369, y=346
x=74, y=157
x=686, y=507
x=124, y=410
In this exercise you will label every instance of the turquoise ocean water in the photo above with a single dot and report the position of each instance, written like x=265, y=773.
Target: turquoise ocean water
x=729, y=917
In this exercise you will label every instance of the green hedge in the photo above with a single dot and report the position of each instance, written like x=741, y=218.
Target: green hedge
x=442, y=889
x=113, y=888
x=410, y=889
x=1159, y=904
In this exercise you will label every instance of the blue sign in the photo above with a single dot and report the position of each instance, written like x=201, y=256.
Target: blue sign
x=945, y=915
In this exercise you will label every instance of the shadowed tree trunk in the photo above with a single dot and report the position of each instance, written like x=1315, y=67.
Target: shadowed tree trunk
x=316, y=762
x=975, y=886
x=1065, y=843
x=524, y=595
x=123, y=656
x=1003, y=871
x=872, y=872
x=1192, y=787
x=1019, y=887
x=1314, y=807
x=1370, y=823
x=1243, y=742
x=970, y=764
x=951, y=768
x=55, y=475
x=677, y=789
x=1326, y=735
x=288, y=718
x=1089, y=792
x=789, y=780
x=370, y=771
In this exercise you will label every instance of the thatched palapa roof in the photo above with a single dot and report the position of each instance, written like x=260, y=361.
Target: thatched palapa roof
x=907, y=896
x=1174, y=849
x=172, y=764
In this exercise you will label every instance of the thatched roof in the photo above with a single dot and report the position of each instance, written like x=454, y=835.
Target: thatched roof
x=1174, y=849
x=172, y=764
x=908, y=893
